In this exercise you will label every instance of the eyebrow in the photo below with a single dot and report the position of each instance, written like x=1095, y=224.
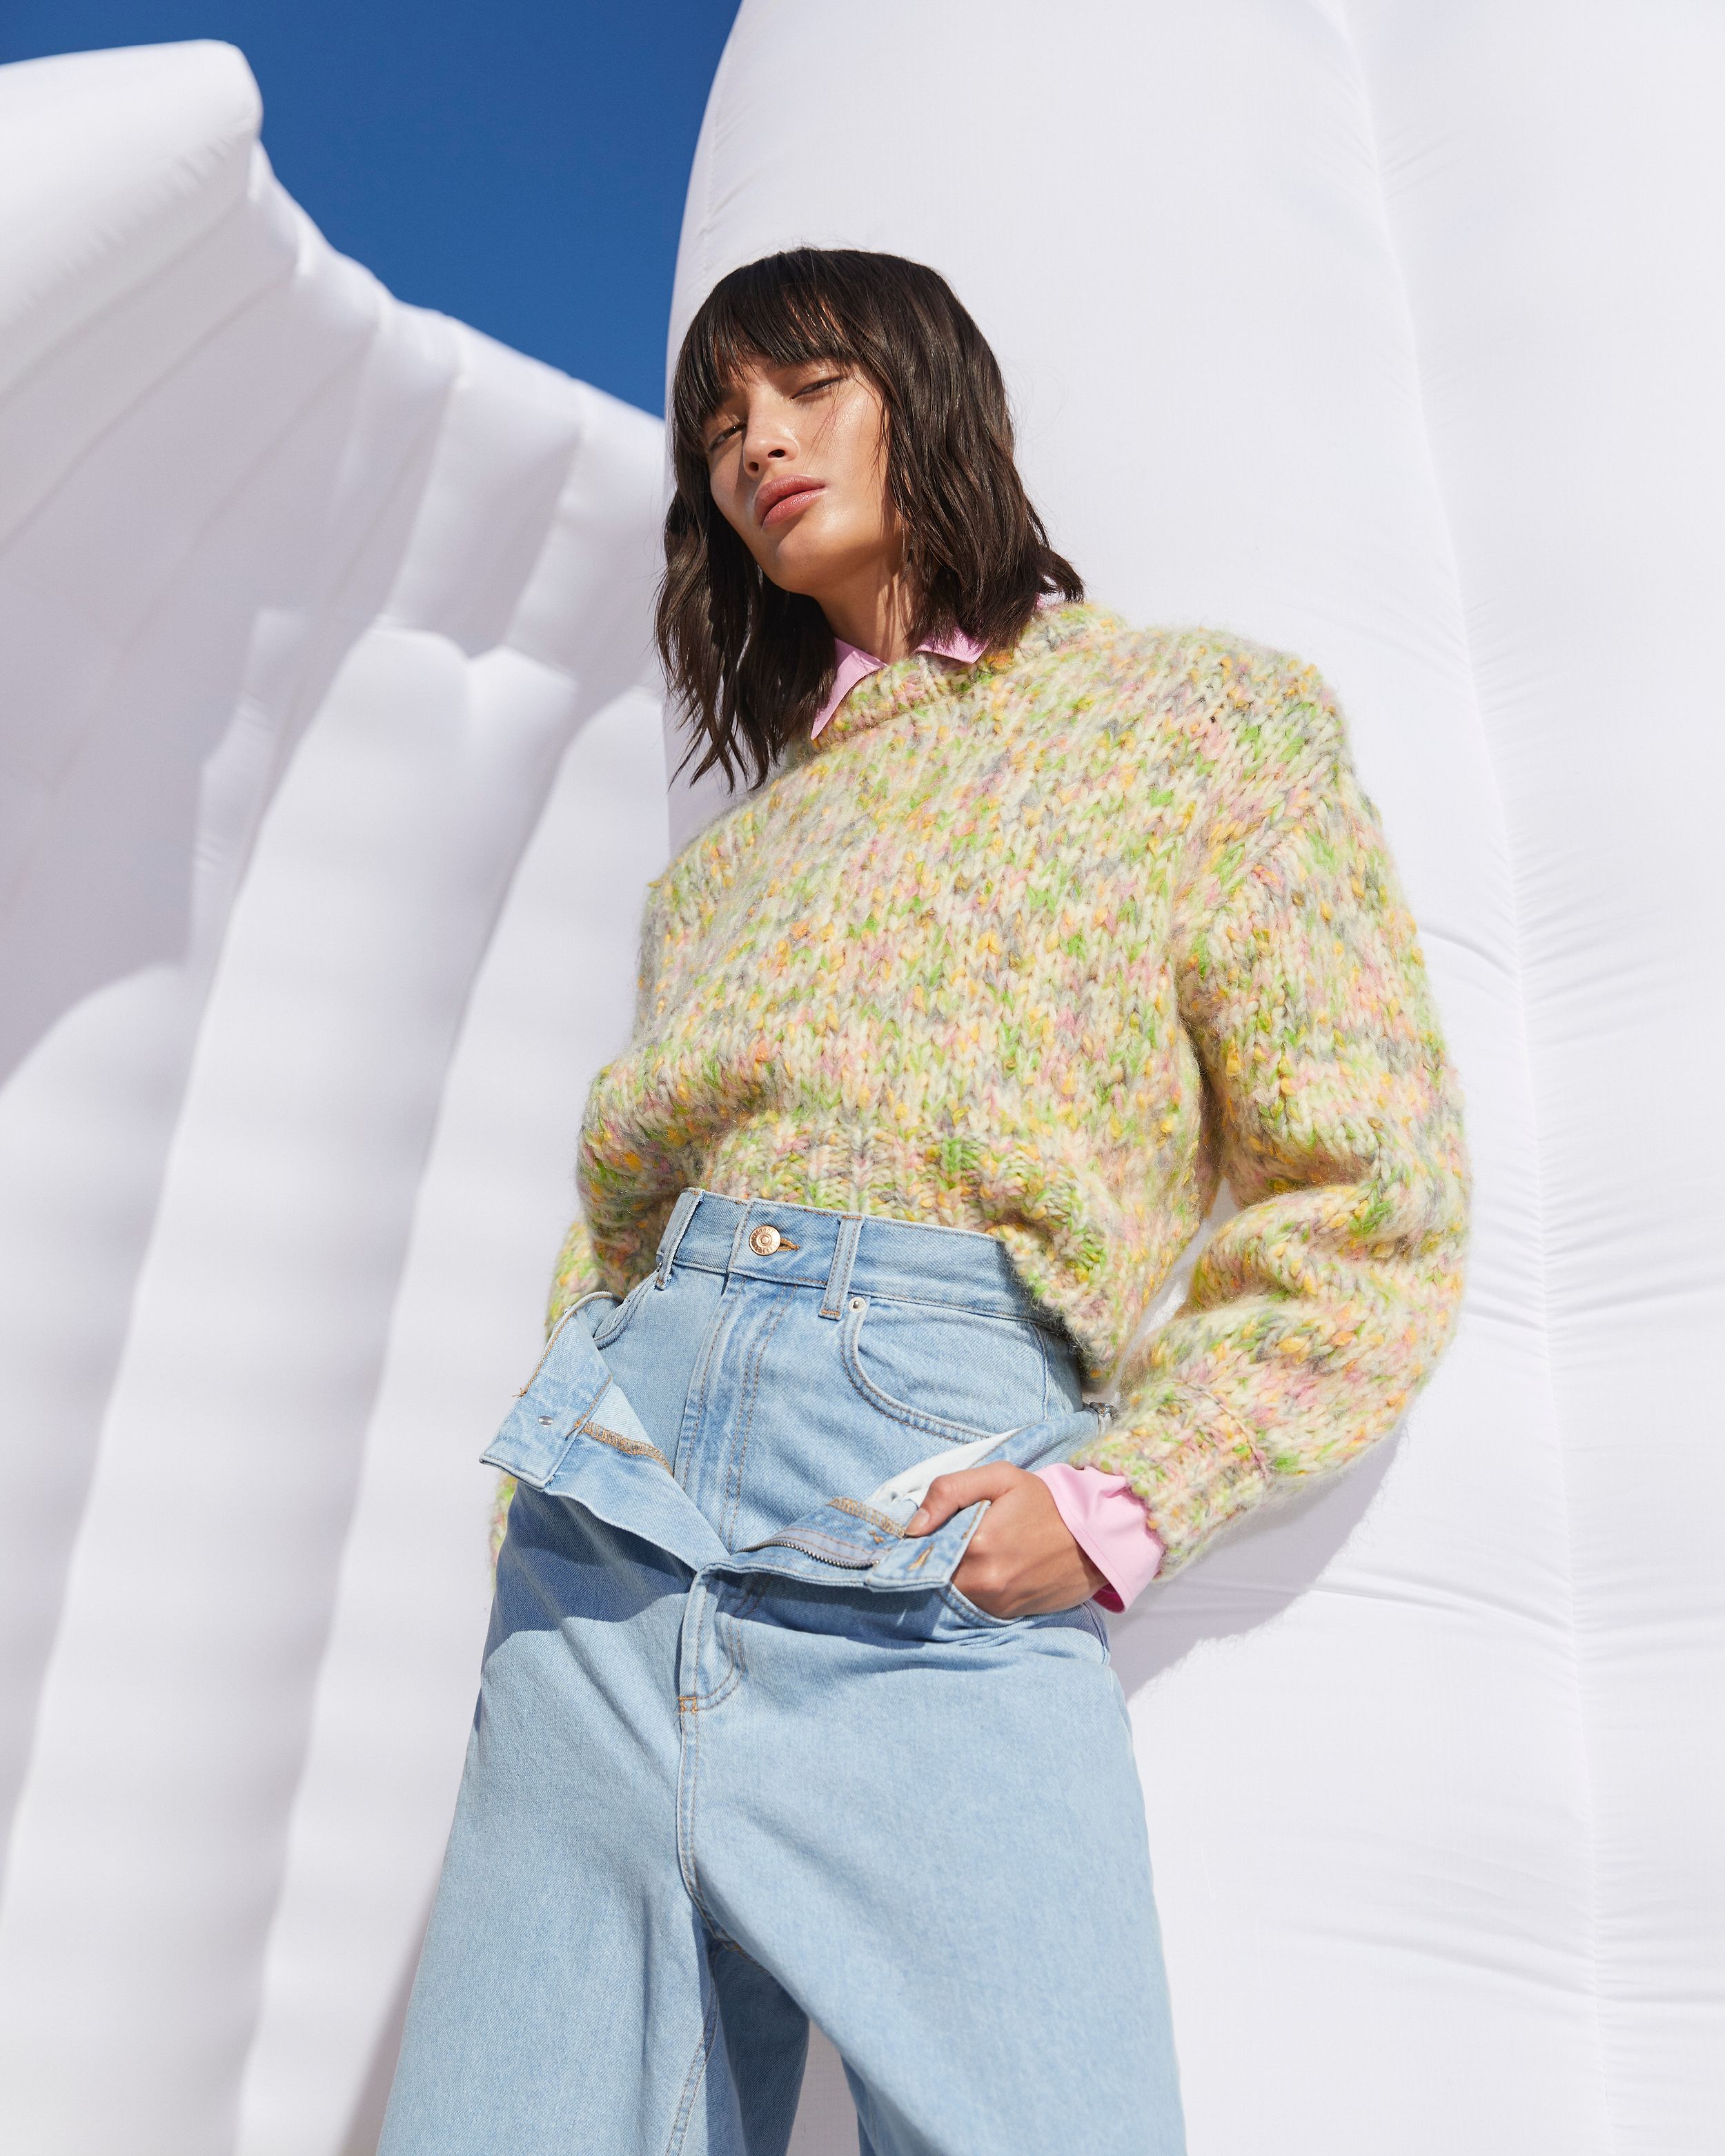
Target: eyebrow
x=832, y=360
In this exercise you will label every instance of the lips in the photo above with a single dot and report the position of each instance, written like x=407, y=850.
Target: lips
x=782, y=498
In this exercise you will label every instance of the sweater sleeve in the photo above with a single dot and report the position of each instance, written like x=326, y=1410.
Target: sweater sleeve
x=1317, y=1309
x=577, y=1273
x=580, y=1269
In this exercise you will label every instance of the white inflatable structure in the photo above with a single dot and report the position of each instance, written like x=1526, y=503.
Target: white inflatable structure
x=329, y=806
x=1389, y=332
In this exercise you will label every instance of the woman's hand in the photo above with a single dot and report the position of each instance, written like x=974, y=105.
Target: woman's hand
x=1022, y=1559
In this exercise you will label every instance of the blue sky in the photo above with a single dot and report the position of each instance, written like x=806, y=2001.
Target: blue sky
x=521, y=165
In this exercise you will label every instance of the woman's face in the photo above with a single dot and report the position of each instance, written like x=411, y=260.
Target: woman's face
x=797, y=461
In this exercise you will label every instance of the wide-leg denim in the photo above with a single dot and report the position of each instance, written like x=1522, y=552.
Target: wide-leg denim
x=744, y=1754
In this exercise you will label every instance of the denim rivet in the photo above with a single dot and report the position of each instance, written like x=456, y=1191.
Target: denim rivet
x=547, y=1419
x=856, y=1302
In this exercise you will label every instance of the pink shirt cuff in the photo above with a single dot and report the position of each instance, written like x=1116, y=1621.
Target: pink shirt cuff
x=1106, y=1517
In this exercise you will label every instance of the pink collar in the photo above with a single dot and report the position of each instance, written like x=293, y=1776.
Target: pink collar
x=855, y=665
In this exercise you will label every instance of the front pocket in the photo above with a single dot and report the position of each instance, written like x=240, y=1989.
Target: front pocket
x=1083, y=1618
x=958, y=1375
x=612, y=1326
x=972, y=1613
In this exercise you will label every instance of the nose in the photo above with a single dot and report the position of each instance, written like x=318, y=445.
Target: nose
x=767, y=440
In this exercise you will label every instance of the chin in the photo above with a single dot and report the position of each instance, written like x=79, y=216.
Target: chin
x=810, y=563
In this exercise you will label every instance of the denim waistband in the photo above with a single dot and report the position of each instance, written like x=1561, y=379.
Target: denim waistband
x=841, y=1255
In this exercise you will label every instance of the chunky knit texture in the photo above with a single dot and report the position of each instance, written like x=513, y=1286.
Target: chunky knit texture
x=1043, y=946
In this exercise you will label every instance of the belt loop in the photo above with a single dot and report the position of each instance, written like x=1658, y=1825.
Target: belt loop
x=682, y=1213
x=844, y=1258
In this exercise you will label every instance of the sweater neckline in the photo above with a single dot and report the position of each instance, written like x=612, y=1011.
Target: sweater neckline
x=926, y=678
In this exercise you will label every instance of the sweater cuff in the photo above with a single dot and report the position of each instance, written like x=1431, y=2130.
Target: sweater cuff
x=1193, y=1465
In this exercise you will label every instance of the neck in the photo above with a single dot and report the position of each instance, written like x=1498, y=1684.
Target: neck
x=872, y=611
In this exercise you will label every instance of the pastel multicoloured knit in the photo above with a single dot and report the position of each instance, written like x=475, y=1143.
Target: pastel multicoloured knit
x=1041, y=947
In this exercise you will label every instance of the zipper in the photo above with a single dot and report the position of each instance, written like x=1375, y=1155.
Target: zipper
x=809, y=1549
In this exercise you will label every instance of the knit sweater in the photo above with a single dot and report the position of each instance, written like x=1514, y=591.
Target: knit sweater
x=1043, y=947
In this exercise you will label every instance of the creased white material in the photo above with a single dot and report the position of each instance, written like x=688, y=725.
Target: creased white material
x=310, y=605
x=901, y=1494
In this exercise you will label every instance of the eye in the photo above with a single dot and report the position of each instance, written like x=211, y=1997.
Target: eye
x=826, y=382
x=724, y=434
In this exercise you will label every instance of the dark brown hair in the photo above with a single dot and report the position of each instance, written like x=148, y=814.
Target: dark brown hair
x=750, y=664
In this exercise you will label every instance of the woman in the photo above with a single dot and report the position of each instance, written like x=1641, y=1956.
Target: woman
x=796, y=1702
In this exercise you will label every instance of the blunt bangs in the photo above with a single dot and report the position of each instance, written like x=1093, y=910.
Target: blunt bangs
x=753, y=319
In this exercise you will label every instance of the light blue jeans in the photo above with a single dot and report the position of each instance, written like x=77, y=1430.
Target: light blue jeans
x=745, y=1755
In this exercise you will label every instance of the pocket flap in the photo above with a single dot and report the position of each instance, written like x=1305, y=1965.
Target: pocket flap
x=571, y=1392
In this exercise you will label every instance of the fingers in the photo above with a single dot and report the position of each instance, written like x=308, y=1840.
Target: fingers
x=948, y=1494
x=1023, y=1560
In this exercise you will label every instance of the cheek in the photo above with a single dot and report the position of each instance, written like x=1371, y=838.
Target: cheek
x=734, y=512
x=863, y=491
x=850, y=451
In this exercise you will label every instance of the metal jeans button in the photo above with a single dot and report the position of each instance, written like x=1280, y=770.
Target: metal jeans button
x=765, y=1239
